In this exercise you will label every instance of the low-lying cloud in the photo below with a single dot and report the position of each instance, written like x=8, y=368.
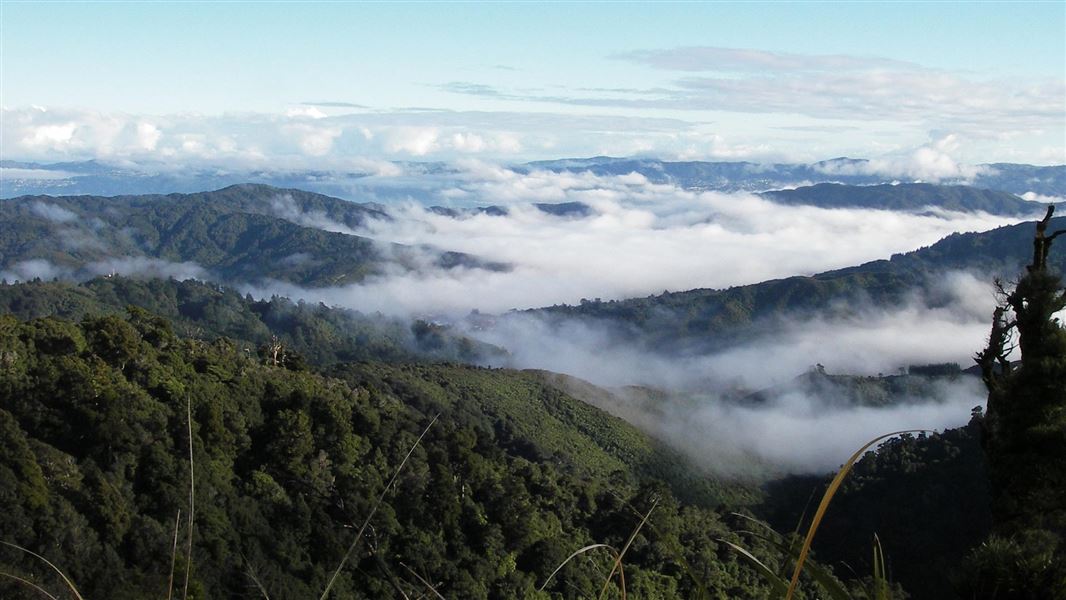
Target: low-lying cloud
x=947, y=322
x=127, y=266
x=639, y=238
x=798, y=433
x=931, y=162
x=795, y=430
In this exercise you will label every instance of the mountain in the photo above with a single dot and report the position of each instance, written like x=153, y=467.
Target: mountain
x=700, y=319
x=240, y=233
x=907, y=196
x=558, y=209
x=917, y=382
x=736, y=176
x=424, y=182
x=926, y=497
x=312, y=333
x=98, y=421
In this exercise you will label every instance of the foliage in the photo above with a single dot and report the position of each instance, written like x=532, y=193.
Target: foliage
x=1025, y=437
x=240, y=233
x=905, y=196
x=707, y=319
x=514, y=476
x=319, y=334
x=925, y=496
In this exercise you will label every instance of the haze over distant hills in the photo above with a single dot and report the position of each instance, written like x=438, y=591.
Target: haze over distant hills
x=242, y=233
x=426, y=181
x=253, y=232
x=694, y=320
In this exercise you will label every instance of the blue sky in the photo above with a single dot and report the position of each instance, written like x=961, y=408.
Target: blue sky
x=232, y=82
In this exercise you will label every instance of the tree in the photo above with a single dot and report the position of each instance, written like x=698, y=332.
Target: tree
x=1025, y=437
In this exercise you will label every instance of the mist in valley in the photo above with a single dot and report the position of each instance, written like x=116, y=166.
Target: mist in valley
x=639, y=238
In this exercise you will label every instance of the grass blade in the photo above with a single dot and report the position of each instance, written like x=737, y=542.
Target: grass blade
x=829, y=584
x=881, y=591
x=173, y=556
x=824, y=505
x=192, y=501
x=381, y=498
x=778, y=584
x=255, y=579
x=573, y=556
x=66, y=579
x=423, y=581
x=618, y=560
x=28, y=583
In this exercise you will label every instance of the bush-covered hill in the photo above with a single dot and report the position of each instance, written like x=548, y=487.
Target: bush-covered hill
x=240, y=233
x=740, y=175
x=926, y=497
x=696, y=318
x=314, y=333
x=512, y=478
x=907, y=196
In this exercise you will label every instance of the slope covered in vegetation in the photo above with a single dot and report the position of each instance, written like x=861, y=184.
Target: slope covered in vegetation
x=239, y=233
x=691, y=318
x=313, y=333
x=906, y=196
x=512, y=478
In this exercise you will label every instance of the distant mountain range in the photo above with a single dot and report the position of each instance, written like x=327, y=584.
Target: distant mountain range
x=425, y=182
x=240, y=233
x=701, y=320
x=734, y=176
x=252, y=232
x=907, y=196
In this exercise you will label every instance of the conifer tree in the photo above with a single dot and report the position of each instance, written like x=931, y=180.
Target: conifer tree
x=1025, y=437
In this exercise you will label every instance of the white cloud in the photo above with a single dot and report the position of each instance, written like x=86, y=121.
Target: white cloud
x=947, y=323
x=12, y=173
x=50, y=137
x=284, y=206
x=932, y=162
x=313, y=140
x=30, y=269
x=312, y=112
x=51, y=212
x=1042, y=199
x=790, y=435
x=299, y=139
x=639, y=239
x=130, y=266
x=711, y=58
x=868, y=92
x=148, y=136
x=416, y=141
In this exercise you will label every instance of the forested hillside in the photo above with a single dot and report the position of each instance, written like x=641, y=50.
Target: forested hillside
x=907, y=196
x=513, y=476
x=240, y=233
x=689, y=319
x=313, y=333
x=926, y=497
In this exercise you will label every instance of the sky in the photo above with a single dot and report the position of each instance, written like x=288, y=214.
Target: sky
x=294, y=84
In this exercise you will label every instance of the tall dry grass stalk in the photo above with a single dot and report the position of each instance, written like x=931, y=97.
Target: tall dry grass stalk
x=377, y=504
x=255, y=579
x=422, y=580
x=618, y=556
x=831, y=491
x=173, y=556
x=192, y=500
x=28, y=583
x=618, y=560
x=70, y=584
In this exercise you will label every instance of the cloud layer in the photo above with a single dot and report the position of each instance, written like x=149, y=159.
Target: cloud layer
x=640, y=238
x=947, y=323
